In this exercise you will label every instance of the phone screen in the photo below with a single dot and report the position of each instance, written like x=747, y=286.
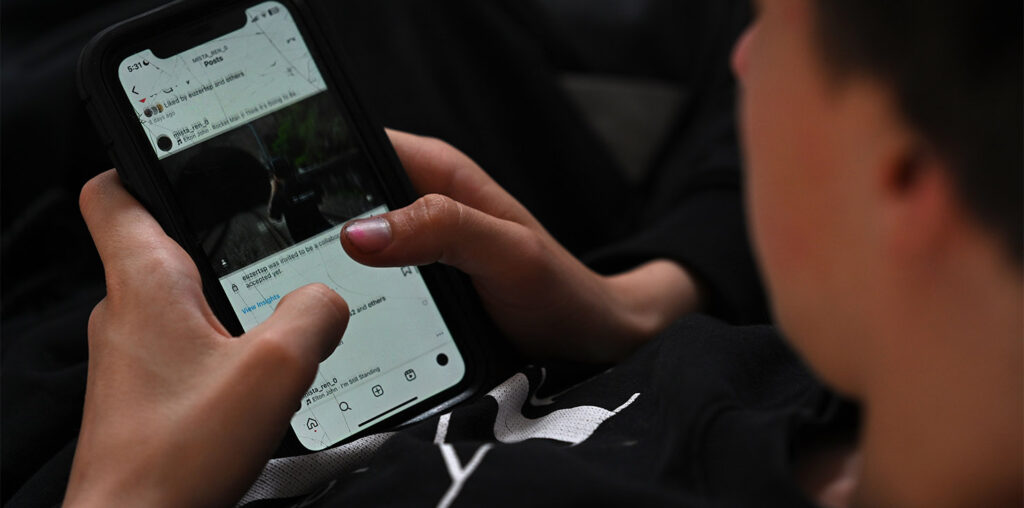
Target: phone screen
x=265, y=164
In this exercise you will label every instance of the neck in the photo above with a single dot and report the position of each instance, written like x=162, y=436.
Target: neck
x=944, y=410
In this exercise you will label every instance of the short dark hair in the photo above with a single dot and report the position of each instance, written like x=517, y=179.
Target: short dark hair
x=955, y=69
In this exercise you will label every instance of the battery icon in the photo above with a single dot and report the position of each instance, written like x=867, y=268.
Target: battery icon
x=273, y=10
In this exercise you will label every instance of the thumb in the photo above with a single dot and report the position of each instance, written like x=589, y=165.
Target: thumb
x=437, y=228
x=304, y=329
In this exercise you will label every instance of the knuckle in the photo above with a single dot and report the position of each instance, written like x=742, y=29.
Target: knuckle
x=169, y=269
x=88, y=195
x=531, y=263
x=95, y=191
x=168, y=264
x=272, y=353
x=97, y=322
x=439, y=212
x=532, y=248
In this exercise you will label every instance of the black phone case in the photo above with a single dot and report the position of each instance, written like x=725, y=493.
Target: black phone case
x=138, y=169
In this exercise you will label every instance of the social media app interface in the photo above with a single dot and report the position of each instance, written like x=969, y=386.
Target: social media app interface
x=267, y=170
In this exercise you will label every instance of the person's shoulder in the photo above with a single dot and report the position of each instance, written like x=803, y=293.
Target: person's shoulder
x=711, y=360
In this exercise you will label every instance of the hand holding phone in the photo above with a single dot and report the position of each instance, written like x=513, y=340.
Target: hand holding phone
x=178, y=412
x=235, y=126
x=544, y=299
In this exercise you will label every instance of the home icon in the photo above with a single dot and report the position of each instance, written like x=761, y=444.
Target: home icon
x=312, y=424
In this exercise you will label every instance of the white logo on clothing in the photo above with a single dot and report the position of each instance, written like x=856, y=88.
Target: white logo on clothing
x=572, y=425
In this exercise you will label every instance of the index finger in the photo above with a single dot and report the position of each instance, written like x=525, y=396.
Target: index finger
x=435, y=167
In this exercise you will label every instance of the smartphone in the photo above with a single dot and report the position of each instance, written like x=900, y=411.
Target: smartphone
x=236, y=126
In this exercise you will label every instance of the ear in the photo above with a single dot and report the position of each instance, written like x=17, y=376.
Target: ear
x=921, y=206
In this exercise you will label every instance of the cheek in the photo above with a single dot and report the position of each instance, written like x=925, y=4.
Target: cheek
x=785, y=150
x=775, y=186
x=795, y=196
x=792, y=202
x=784, y=231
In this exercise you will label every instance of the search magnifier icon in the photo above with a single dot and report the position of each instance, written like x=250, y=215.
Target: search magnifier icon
x=344, y=406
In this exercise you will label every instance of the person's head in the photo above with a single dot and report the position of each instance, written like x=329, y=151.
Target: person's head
x=884, y=156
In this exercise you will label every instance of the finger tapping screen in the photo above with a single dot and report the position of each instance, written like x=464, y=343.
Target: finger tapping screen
x=267, y=170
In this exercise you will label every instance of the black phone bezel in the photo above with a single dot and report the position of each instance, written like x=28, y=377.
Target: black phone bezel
x=139, y=169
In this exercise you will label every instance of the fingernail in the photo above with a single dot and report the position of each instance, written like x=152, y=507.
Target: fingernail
x=369, y=235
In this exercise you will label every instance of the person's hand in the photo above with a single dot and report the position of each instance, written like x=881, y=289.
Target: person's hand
x=542, y=297
x=177, y=412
